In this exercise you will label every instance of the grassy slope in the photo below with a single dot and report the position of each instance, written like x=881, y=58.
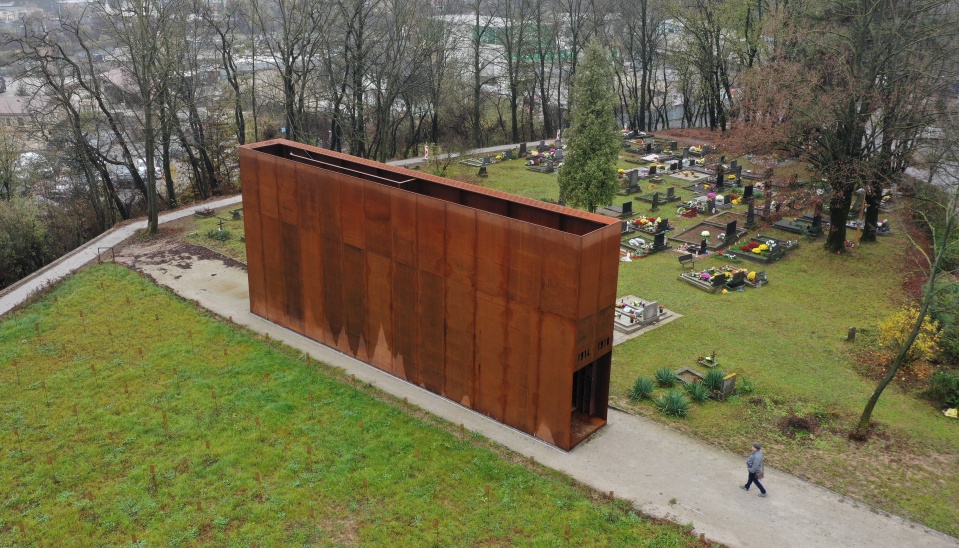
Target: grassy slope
x=382, y=483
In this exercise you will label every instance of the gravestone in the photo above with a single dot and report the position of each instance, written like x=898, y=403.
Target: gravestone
x=486, y=160
x=733, y=165
x=633, y=181
x=655, y=201
x=739, y=172
x=559, y=144
x=685, y=152
x=673, y=145
x=720, y=176
x=711, y=205
x=730, y=231
x=817, y=223
x=648, y=147
x=482, y=172
x=652, y=170
x=522, y=150
x=659, y=240
x=738, y=280
x=651, y=312
x=549, y=166
x=751, y=216
x=748, y=194
x=542, y=147
x=718, y=280
x=722, y=159
x=674, y=166
x=857, y=204
x=627, y=208
x=767, y=205
x=508, y=155
x=558, y=155
x=670, y=193
x=702, y=246
x=729, y=385
x=624, y=227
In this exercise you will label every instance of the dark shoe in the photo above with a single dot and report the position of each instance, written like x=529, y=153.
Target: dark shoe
x=744, y=488
x=762, y=494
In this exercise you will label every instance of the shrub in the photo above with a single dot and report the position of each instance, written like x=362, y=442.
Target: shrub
x=219, y=235
x=745, y=387
x=642, y=388
x=697, y=392
x=665, y=377
x=894, y=330
x=673, y=403
x=944, y=388
x=714, y=379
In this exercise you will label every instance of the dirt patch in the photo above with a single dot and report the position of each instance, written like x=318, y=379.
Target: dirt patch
x=793, y=426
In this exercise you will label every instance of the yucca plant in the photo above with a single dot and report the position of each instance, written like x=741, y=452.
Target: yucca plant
x=697, y=392
x=673, y=403
x=665, y=377
x=642, y=388
x=714, y=379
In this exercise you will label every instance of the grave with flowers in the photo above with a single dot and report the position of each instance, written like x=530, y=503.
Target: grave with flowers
x=764, y=249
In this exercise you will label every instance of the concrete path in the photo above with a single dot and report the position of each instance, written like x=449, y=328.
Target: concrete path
x=664, y=473
x=64, y=266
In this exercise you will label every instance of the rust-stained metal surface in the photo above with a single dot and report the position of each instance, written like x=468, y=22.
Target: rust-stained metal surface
x=491, y=300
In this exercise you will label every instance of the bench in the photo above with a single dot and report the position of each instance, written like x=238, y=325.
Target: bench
x=687, y=261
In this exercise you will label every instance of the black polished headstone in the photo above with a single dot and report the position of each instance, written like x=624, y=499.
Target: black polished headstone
x=702, y=246
x=751, y=215
x=633, y=181
x=748, y=194
x=730, y=230
x=655, y=202
x=652, y=170
x=627, y=208
x=522, y=150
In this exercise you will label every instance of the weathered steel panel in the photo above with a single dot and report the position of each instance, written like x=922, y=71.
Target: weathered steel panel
x=489, y=299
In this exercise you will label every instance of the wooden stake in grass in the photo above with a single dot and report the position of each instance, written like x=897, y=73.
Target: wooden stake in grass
x=361, y=427
x=257, y=421
x=216, y=408
x=16, y=434
x=266, y=376
x=207, y=445
x=158, y=317
x=153, y=478
x=133, y=536
x=199, y=505
x=309, y=450
x=312, y=513
x=16, y=368
x=50, y=460
x=258, y=477
x=23, y=529
x=75, y=410
x=164, y=421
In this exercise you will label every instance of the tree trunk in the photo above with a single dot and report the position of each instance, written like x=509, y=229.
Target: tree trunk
x=838, y=214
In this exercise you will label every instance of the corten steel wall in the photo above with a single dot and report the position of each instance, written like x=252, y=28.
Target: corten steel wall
x=488, y=299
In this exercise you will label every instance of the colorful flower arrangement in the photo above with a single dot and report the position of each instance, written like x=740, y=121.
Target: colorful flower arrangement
x=704, y=234
x=755, y=247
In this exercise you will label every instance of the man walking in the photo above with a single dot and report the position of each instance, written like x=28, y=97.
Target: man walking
x=754, y=464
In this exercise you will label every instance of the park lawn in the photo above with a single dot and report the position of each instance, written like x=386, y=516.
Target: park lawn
x=127, y=411
x=787, y=339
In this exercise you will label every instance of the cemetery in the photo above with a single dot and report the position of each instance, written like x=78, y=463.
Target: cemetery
x=708, y=236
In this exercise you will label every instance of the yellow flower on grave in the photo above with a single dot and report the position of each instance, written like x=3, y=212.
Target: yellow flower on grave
x=725, y=291
x=757, y=250
x=621, y=171
x=751, y=276
x=763, y=247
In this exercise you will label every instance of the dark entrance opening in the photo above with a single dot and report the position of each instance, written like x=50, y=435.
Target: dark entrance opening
x=590, y=398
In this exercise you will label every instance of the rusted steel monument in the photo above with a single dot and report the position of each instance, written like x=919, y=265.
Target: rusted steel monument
x=500, y=303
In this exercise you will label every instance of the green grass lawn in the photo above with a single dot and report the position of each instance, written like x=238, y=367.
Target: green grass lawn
x=128, y=412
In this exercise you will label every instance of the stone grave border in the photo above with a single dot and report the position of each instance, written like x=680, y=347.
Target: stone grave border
x=665, y=318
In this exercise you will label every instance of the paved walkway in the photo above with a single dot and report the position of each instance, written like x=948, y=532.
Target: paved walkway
x=664, y=473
